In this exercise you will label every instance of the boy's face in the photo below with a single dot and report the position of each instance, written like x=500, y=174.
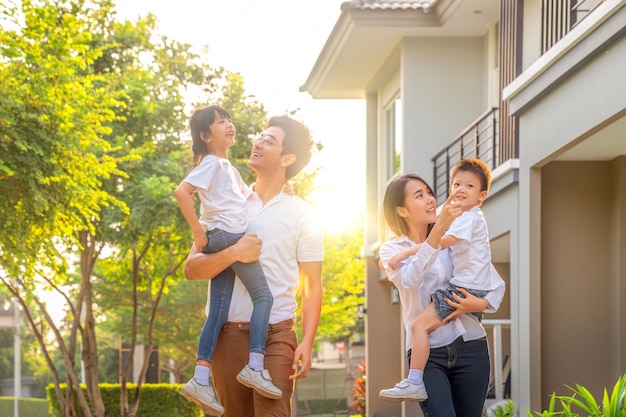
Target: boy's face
x=469, y=187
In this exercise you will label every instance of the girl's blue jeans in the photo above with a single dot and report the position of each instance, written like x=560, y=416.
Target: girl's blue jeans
x=457, y=379
x=252, y=277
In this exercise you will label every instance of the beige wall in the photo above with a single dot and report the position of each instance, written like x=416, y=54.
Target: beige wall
x=443, y=91
x=583, y=215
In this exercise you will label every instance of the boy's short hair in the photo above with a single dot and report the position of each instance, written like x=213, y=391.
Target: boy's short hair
x=475, y=166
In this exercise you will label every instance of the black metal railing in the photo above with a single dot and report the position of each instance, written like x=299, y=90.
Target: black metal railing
x=479, y=140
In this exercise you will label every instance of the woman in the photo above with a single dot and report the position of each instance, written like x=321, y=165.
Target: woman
x=457, y=373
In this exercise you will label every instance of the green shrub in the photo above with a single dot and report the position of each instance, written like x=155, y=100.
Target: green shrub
x=323, y=405
x=28, y=407
x=157, y=400
x=582, y=401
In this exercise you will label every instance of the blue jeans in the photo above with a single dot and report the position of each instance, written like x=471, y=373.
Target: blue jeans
x=251, y=275
x=457, y=378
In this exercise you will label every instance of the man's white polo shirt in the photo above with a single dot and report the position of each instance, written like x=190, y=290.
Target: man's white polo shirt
x=290, y=234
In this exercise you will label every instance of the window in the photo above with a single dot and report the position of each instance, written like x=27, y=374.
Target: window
x=393, y=125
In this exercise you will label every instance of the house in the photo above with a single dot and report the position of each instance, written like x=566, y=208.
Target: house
x=537, y=89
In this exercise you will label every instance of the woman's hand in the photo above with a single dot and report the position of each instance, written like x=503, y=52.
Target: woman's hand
x=469, y=304
x=450, y=210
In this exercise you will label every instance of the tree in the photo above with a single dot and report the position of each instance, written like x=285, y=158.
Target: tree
x=54, y=115
x=344, y=285
x=343, y=279
x=84, y=99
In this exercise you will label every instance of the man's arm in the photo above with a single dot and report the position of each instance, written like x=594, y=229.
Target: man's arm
x=201, y=266
x=311, y=305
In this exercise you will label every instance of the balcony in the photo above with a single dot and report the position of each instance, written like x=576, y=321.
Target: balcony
x=479, y=140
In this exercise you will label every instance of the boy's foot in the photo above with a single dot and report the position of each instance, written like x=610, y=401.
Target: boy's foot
x=260, y=381
x=203, y=396
x=404, y=391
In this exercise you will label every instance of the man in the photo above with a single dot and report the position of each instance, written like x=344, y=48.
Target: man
x=291, y=256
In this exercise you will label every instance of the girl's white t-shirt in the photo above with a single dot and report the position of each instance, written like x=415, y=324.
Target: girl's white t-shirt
x=222, y=194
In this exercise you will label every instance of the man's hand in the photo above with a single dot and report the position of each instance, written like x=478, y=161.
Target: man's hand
x=469, y=304
x=303, y=359
x=248, y=248
x=202, y=266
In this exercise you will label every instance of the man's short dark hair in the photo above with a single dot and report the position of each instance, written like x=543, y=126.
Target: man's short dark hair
x=297, y=142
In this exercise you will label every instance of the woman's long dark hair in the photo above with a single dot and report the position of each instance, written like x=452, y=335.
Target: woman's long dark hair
x=394, y=198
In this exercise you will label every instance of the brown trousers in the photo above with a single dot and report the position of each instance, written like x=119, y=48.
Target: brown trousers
x=231, y=356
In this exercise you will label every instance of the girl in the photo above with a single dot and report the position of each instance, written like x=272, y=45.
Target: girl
x=222, y=223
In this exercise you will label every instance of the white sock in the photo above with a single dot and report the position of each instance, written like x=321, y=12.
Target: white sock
x=416, y=376
x=201, y=374
x=255, y=361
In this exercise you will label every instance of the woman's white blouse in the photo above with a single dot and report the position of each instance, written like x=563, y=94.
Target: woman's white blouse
x=420, y=275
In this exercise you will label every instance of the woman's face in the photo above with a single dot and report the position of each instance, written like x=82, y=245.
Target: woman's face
x=420, y=205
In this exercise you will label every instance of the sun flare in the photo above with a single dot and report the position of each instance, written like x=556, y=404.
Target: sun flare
x=337, y=212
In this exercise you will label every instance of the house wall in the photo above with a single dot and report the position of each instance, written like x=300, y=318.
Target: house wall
x=444, y=90
x=582, y=217
x=383, y=327
x=552, y=123
x=564, y=105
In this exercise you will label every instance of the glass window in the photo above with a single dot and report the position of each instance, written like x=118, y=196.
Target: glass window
x=393, y=123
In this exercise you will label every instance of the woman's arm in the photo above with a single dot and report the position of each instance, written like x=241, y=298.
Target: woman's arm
x=201, y=266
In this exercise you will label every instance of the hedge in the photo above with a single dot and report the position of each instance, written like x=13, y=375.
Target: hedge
x=157, y=400
x=28, y=407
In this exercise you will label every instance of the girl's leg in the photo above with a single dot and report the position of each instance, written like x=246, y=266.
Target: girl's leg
x=220, y=295
x=254, y=375
x=252, y=277
x=219, y=298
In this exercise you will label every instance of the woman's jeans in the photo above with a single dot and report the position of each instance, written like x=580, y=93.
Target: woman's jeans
x=251, y=275
x=457, y=378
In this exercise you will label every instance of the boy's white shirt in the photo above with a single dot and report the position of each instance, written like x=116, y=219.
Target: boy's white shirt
x=222, y=194
x=471, y=253
x=290, y=234
x=420, y=275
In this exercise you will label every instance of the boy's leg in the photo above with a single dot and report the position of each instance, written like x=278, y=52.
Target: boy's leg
x=412, y=388
x=424, y=323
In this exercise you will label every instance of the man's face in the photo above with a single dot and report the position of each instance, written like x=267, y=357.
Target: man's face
x=267, y=149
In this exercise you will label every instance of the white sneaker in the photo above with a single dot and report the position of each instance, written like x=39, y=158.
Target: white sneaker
x=260, y=381
x=203, y=396
x=404, y=391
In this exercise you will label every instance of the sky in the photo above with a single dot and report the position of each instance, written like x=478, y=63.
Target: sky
x=273, y=44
